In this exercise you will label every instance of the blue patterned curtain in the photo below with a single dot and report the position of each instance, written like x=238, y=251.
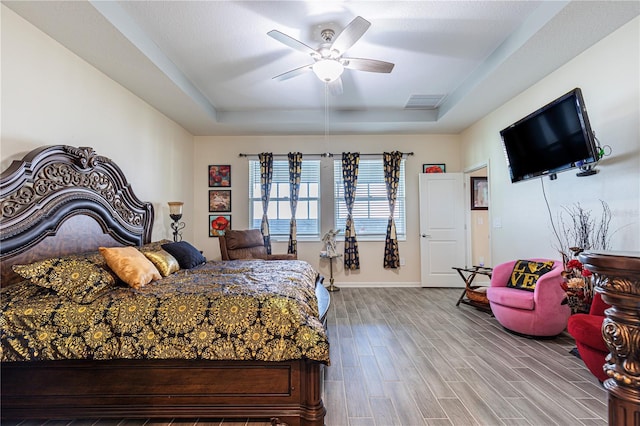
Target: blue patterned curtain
x=295, y=170
x=350, y=161
x=266, y=176
x=391, y=164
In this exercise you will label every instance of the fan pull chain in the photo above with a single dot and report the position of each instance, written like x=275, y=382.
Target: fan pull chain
x=326, y=111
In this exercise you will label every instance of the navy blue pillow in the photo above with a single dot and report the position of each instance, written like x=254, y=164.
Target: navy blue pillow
x=187, y=255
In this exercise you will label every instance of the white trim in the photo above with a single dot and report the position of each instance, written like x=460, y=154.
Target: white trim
x=477, y=167
x=467, y=209
x=373, y=284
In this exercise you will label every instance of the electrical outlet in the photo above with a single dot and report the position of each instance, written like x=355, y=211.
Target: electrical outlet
x=402, y=261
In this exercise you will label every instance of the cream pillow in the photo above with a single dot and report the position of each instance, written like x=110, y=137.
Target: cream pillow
x=162, y=260
x=130, y=265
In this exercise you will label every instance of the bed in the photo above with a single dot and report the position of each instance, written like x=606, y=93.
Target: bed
x=66, y=202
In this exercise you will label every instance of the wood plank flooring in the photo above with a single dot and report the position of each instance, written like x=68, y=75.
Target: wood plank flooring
x=410, y=357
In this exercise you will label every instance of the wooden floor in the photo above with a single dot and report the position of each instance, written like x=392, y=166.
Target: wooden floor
x=409, y=356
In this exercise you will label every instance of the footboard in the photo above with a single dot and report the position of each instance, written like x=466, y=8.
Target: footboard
x=288, y=391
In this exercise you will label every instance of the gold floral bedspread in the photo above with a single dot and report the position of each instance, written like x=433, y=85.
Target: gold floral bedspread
x=237, y=310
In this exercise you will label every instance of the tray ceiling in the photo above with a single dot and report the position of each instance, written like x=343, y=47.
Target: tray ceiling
x=209, y=65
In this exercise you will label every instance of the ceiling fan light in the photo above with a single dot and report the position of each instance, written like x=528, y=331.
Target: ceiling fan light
x=328, y=70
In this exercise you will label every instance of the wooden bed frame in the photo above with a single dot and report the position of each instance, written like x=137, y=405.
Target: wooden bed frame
x=61, y=200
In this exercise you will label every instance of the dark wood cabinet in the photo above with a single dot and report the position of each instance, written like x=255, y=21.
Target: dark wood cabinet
x=617, y=278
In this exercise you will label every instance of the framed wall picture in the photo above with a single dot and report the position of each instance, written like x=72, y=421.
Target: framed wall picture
x=218, y=224
x=220, y=200
x=219, y=175
x=479, y=193
x=433, y=168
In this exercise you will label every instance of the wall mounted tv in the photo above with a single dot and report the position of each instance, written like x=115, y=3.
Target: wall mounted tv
x=554, y=138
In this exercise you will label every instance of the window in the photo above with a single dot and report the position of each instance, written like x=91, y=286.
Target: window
x=371, y=207
x=279, y=209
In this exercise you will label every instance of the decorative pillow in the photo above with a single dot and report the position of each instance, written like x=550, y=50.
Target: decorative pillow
x=163, y=261
x=154, y=245
x=130, y=265
x=187, y=255
x=81, y=280
x=525, y=274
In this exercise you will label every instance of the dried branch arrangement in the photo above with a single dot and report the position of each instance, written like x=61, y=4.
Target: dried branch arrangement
x=580, y=230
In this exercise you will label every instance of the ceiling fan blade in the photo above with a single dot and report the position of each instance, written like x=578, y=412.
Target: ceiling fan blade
x=350, y=34
x=293, y=73
x=291, y=42
x=371, y=65
x=335, y=87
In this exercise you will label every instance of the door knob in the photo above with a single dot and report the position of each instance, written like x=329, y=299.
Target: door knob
x=425, y=236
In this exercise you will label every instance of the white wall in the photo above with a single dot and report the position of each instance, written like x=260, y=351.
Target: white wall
x=608, y=74
x=225, y=150
x=50, y=96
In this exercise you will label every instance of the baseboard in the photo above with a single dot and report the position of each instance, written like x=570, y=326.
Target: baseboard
x=410, y=284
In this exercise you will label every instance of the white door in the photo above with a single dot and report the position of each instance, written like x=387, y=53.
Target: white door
x=442, y=234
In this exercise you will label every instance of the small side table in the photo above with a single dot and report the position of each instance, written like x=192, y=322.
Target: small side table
x=480, y=301
x=331, y=257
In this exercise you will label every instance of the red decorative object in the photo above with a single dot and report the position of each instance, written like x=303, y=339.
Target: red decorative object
x=433, y=168
x=578, y=286
x=219, y=224
x=219, y=175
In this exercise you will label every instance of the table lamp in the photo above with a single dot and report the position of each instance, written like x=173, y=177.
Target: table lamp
x=175, y=212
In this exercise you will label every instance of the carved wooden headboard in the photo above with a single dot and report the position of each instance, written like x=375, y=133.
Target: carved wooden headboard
x=61, y=200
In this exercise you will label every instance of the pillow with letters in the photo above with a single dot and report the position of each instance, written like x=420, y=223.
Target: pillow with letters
x=525, y=274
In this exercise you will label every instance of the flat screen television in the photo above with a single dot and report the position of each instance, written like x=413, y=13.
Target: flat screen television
x=554, y=138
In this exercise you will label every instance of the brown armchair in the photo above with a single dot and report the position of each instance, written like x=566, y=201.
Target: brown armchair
x=247, y=244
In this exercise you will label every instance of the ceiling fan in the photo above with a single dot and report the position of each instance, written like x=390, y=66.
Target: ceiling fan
x=329, y=62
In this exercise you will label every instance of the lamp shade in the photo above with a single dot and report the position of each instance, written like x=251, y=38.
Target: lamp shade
x=328, y=70
x=175, y=208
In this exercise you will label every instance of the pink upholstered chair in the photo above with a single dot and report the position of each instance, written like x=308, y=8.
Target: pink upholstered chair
x=538, y=313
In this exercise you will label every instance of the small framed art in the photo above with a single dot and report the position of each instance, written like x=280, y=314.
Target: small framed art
x=433, y=168
x=479, y=193
x=218, y=224
x=220, y=200
x=219, y=175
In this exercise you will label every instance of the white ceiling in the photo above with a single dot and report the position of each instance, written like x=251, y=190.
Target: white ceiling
x=208, y=65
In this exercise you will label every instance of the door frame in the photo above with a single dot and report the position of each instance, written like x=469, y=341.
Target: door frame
x=467, y=208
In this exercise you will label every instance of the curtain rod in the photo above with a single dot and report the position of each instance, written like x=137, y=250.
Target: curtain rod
x=324, y=154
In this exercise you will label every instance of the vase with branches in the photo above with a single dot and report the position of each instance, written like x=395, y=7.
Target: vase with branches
x=579, y=230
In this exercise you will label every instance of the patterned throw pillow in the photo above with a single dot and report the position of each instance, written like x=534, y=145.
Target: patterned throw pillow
x=130, y=265
x=162, y=260
x=154, y=245
x=81, y=280
x=187, y=255
x=525, y=274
